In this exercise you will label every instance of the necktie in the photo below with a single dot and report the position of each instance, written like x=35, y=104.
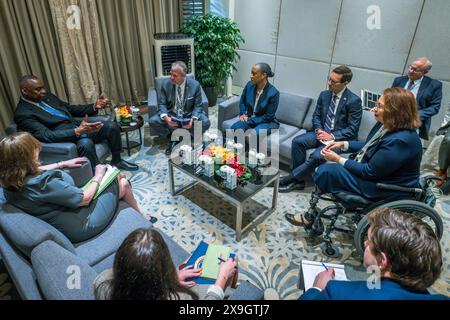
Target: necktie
x=179, y=106
x=410, y=84
x=53, y=111
x=330, y=115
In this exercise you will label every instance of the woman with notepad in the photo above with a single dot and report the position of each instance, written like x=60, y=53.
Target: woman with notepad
x=49, y=193
x=143, y=270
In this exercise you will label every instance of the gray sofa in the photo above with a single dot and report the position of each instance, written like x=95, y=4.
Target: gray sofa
x=294, y=113
x=44, y=264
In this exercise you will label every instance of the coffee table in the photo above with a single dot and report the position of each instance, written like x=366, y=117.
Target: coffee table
x=236, y=196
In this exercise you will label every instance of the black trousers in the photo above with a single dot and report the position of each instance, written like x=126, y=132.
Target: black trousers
x=109, y=132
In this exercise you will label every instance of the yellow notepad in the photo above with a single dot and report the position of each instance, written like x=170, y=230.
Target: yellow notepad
x=110, y=174
x=211, y=263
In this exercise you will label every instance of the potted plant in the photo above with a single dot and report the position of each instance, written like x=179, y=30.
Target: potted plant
x=215, y=42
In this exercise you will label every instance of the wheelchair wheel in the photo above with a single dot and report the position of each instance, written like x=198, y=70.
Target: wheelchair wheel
x=419, y=209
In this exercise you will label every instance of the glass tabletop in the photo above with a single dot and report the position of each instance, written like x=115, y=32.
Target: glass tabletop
x=261, y=177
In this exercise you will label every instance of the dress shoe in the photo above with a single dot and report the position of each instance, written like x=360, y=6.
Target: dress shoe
x=294, y=185
x=170, y=147
x=153, y=220
x=125, y=165
x=285, y=180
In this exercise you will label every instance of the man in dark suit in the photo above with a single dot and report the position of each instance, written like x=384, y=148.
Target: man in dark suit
x=402, y=255
x=50, y=120
x=337, y=117
x=179, y=104
x=428, y=92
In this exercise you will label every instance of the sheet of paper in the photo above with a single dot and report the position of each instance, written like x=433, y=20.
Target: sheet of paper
x=211, y=263
x=310, y=269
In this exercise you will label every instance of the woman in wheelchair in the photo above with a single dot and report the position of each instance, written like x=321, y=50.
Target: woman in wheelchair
x=391, y=155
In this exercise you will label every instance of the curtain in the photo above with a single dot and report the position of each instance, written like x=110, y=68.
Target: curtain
x=126, y=31
x=111, y=53
x=28, y=46
x=78, y=37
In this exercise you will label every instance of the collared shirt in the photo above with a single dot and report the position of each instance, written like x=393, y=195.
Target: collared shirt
x=177, y=98
x=258, y=95
x=415, y=87
x=338, y=99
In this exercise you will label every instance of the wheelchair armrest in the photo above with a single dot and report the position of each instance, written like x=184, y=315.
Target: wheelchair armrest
x=391, y=187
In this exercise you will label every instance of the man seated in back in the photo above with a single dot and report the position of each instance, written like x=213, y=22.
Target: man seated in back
x=403, y=249
x=50, y=120
x=179, y=105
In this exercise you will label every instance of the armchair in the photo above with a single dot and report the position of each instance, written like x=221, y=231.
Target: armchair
x=60, y=151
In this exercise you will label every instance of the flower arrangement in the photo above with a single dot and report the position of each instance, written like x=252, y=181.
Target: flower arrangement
x=125, y=114
x=223, y=156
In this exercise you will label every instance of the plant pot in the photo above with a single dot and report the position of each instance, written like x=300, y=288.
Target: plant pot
x=211, y=94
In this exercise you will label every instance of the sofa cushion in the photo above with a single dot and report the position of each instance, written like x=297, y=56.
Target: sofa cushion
x=228, y=123
x=286, y=145
x=285, y=131
x=292, y=109
x=367, y=123
x=61, y=274
x=106, y=243
x=27, y=231
x=307, y=123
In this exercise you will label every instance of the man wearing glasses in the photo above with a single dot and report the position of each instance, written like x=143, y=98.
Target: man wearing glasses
x=428, y=92
x=337, y=117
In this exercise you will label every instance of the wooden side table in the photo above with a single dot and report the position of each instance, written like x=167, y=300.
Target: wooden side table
x=129, y=128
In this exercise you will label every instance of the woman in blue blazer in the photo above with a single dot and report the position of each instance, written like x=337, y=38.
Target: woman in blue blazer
x=259, y=102
x=391, y=154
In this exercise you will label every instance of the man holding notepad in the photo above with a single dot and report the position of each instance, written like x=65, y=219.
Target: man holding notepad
x=403, y=259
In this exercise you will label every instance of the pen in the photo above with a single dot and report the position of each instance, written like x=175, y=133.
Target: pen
x=324, y=266
x=221, y=259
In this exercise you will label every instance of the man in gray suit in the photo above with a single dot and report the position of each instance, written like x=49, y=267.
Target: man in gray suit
x=179, y=105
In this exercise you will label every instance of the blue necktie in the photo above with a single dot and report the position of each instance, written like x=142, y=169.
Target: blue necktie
x=330, y=115
x=53, y=111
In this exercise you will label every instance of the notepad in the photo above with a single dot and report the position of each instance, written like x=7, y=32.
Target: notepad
x=212, y=262
x=310, y=269
x=110, y=174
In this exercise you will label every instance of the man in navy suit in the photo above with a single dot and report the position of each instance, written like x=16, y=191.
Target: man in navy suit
x=179, y=104
x=337, y=117
x=428, y=92
x=50, y=119
x=404, y=257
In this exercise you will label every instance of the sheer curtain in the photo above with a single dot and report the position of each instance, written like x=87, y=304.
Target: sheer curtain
x=80, y=47
x=111, y=53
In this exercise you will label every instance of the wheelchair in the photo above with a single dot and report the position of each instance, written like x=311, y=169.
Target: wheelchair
x=353, y=209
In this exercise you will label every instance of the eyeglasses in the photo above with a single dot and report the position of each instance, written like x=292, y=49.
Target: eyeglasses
x=417, y=70
x=333, y=81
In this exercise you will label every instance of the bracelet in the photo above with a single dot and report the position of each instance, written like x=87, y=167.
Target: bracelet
x=95, y=181
x=59, y=165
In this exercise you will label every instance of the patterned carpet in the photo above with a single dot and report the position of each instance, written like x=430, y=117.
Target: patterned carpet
x=269, y=256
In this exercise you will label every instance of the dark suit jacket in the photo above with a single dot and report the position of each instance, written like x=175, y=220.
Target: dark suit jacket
x=267, y=103
x=429, y=98
x=46, y=127
x=347, y=118
x=394, y=159
x=192, y=98
x=358, y=290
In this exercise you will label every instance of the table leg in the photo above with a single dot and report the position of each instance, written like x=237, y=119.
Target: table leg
x=171, y=181
x=140, y=136
x=128, y=143
x=276, y=185
x=238, y=222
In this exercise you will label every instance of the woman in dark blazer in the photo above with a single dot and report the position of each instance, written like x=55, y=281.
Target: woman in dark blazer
x=49, y=193
x=259, y=102
x=391, y=154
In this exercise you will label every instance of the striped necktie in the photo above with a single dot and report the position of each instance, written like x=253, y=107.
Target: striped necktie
x=330, y=115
